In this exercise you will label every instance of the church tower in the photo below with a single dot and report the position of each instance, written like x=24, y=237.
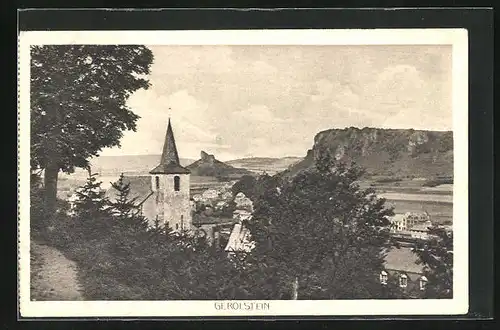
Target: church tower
x=170, y=185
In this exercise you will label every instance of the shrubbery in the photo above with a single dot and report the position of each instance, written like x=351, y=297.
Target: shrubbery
x=121, y=258
x=318, y=229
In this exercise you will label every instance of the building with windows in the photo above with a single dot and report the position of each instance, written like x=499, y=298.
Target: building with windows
x=170, y=187
x=404, y=222
x=164, y=195
x=410, y=225
x=402, y=269
x=210, y=194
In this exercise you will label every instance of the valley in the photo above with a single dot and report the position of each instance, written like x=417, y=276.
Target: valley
x=406, y=196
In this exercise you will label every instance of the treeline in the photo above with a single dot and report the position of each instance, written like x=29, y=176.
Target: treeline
x=321, y=236
x=317, y=236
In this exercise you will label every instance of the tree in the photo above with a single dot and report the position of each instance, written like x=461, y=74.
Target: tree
x=124, y=209
x=130, y=238
x=91, y=210
x=181, y=266
x=319, y=236
x=37, y=211
x=245, y=184
x=78, y=104
x=254, y=187
x=436, y=254
x=228, y=209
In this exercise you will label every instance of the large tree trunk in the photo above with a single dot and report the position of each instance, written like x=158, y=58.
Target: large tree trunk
x=50, y=187
x=295, y=288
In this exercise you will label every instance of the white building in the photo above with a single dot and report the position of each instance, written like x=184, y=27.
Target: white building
x=239, y=240
x=404, y=222
x=227, y=195
x=420, y=231
x=242, y=202
x=197, y=198
x=242, y=215
x=210, y=194
x=220, y=205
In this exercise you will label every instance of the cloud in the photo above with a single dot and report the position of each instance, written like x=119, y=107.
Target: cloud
x=175, y=60
x=263, y=68
x=399, y=84
x=242, y=100
x=258, y=113
x=187, y=115
x=324, y=90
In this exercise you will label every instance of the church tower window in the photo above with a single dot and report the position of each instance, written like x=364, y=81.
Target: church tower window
x=177, y=183
x=157, y=182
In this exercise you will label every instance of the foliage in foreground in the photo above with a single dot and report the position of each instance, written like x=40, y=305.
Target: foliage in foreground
x=318, y=236
x=78, y=104
x=436, y=255
x=121, y=258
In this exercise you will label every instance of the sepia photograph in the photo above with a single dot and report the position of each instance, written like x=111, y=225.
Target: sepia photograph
x=261, y=173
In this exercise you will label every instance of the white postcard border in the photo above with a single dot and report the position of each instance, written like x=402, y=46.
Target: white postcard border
x=458, y=305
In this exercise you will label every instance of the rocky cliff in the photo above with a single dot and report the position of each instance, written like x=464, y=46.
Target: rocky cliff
x=208, y=165
x=385, y=152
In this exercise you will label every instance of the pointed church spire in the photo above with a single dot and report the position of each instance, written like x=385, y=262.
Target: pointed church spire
x=169, y=154
x=169, y=162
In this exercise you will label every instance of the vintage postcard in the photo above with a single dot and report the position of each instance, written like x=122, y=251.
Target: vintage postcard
x=243, y=173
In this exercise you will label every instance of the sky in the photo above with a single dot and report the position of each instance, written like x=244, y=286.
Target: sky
x=270, y=101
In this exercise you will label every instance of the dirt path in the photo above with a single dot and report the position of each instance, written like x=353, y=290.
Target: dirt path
x=53, y=276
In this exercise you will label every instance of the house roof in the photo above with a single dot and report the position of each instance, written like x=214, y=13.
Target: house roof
x=239, y=239
x=169, y=162
x=402, y=259
x=420, y=227
x=397, y=217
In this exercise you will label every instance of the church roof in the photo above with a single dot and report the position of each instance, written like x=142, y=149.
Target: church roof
x=169, y=169
x=140, y=188
x=169, y=162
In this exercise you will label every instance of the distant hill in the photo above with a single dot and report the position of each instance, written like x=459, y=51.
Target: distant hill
x=265, y=164
x=133, y=164
x=142, y=164
x=385, y=152
x=207, y=165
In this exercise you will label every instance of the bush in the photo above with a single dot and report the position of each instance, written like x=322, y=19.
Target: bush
x=120, y=258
